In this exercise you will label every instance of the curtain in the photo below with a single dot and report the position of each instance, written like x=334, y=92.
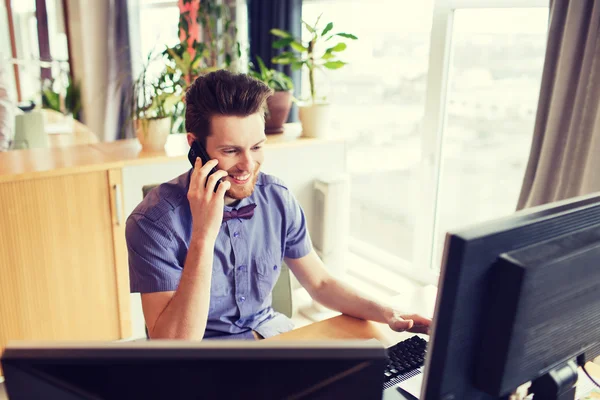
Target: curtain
x=264, y=15
x=41, y=16
x=120, y=73
x=565, y=155
x=99, y=39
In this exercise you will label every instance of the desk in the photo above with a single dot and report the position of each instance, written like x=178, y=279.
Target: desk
x=344, y=327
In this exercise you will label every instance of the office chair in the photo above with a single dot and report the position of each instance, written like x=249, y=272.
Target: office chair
x=282, y=292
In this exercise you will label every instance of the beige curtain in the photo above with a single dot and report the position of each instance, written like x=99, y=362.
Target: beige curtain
x=565, y=155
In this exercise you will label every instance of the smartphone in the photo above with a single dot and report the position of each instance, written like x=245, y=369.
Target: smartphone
x=197, y=150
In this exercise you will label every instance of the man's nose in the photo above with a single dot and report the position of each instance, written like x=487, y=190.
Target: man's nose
x=246, y=164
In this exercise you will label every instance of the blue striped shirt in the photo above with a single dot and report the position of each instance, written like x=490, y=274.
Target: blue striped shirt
x=247, y=258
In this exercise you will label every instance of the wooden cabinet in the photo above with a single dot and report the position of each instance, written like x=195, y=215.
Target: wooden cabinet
x=63, y=260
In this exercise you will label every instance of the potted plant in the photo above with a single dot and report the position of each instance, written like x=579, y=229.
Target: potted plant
x=314, y=111
x=153, y=103
x=207, y=42
x=65, y=100
x=280, y=103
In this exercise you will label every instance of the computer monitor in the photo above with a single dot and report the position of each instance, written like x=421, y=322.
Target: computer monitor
x=194, y=370
x=518, y=298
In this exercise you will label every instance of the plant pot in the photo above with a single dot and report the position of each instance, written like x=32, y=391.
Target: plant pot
x=315, y=119
x=279, y=105
x=153, y=133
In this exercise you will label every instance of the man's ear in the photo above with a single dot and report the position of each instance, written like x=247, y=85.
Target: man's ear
x=190, y=138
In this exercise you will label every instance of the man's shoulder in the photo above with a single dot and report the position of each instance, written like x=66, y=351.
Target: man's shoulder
x=271, y=182
x=162, y=202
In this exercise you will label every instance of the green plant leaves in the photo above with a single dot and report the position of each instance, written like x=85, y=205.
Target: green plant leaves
x=334, y=64
x=276, y=80
x=280, y=33
x=298, y=46
x=337, y=47
x=284, y=58
x=347, y=35
x=308, y=27
x=327, y=28
x=169, y=102
x=278, y=44
x=296, y=65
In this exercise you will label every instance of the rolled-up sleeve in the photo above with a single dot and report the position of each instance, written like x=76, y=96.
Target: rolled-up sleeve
x=297, y=241
x=153, y=263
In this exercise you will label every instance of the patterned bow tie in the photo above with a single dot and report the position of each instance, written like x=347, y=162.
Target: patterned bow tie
x=245, y=212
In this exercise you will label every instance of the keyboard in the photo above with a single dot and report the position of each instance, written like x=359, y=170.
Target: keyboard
x=404, y=360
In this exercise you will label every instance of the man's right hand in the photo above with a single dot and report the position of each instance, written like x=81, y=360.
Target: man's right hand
x=206, y=205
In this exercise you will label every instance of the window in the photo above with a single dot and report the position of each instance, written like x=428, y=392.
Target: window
x=438, y=105
x=378, y=102
x=157, y=26
x=494, y=82
x=27, y=46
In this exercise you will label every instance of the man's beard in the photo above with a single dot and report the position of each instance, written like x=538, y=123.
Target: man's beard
x=239, y=192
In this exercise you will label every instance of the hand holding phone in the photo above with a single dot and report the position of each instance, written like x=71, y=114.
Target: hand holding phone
x=206, y=205
x=197, y=150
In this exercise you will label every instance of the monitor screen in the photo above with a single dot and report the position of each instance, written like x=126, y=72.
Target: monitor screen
x=192, y=370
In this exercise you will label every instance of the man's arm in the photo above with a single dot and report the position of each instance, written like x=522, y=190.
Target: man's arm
x=334, y=294
x=182, y=314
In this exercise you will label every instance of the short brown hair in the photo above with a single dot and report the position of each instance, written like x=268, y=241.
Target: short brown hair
x=222, y=93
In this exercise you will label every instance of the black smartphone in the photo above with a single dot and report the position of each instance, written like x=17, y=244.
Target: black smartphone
x=197, y=150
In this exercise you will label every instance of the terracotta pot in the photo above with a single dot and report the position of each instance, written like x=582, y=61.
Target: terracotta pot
x=153, y=133
x=279, y=106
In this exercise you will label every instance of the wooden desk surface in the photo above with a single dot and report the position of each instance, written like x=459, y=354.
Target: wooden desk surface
x=27, y=164
x=344, y=327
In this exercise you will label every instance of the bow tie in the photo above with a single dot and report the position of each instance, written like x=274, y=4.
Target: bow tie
x=245, y=212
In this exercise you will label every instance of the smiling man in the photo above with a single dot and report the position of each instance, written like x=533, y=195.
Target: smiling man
x=205, y=262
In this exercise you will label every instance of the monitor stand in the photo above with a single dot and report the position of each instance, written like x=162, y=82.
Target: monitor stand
x=557, y=384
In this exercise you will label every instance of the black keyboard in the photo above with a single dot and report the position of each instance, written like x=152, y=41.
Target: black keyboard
x=404, y=357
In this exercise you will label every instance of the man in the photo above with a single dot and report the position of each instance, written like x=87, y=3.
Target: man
x=205, y=262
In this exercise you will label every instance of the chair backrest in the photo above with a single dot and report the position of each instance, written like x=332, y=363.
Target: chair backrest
x=282, y=292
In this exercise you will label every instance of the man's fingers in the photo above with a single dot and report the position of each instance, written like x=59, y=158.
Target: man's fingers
x=419, y=329
x=212, y=180
x=206, y=168
x=204, y=171
x=401, y=325
x=419, y=320
x=195, y=175
x=223, y=187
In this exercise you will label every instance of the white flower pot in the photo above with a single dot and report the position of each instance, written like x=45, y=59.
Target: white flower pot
x=315, y=119
x=153, y=133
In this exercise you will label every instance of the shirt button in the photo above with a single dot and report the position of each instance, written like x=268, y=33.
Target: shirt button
x=242, y=299
x=236, y=234
x=242, y=267
x=274, y=267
